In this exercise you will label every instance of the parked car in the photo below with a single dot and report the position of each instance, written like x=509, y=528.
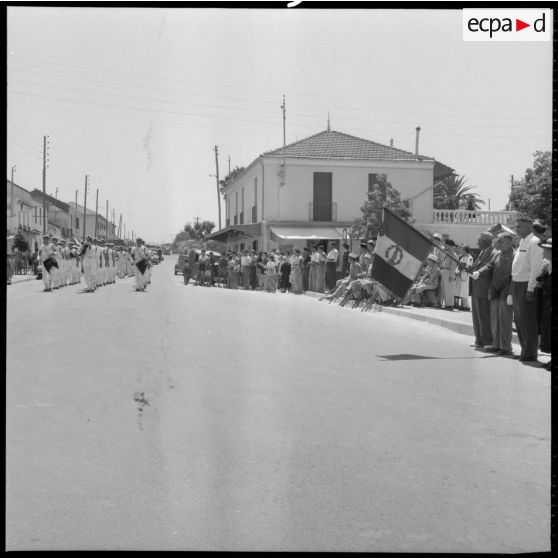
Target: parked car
x=179, y=266
x=154, y=258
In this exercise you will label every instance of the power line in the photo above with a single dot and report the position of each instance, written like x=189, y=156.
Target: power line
x=201, y=115
x=245, y=98
x=274, y=91
x=416, y=114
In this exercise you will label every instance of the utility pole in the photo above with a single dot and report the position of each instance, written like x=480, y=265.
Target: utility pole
x=96, y=211
x=12, y=211
x=284, y=173
x=84, y=207
x=107, y=222
x=217, y=179
x=229, y=166
x=511, y=193
x=120, y=227
x=45, y=158
x=75, y=217
x=56, y=193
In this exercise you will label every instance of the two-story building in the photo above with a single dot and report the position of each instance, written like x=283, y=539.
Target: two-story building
x=24, y=215
x=95, y=224
x=313, y=189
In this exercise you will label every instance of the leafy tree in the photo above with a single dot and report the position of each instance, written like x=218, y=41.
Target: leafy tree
x=21, y=243
x=197, y=232
x=230, y=177
x=451, y=193
x=532, y=194
x=383, y=194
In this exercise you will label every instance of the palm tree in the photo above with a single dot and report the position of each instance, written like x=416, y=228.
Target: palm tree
x=451, y=193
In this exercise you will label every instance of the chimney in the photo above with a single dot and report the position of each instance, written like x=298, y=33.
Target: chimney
x=391, y=142
x=417, y=141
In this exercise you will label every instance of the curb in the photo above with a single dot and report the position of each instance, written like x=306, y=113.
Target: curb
x=33, y=278
x=458, y=327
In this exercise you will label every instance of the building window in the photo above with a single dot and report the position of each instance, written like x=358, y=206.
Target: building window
x=322, y=202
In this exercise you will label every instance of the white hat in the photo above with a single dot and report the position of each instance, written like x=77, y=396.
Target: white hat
x=438, y=236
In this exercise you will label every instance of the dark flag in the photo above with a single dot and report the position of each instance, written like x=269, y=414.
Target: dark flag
x=399, y=253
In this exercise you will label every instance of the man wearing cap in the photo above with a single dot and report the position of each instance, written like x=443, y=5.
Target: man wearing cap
x=65, y=267
x=88, y=256
x=545, y=279
x=74, y=263
x=46, y=253
x=139, y=254
x=480, y=305
x=424, y=292
x=56, y=271
x=341, y=286
x=501, y=311
x=331, y=265
x=526, y=267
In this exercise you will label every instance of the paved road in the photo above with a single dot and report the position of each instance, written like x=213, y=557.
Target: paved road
x=271, y=422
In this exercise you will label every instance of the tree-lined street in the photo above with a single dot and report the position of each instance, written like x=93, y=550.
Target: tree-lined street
x=191, y=418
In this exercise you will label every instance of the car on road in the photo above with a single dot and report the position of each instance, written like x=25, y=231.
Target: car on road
x=154, y=258
x=179, y=265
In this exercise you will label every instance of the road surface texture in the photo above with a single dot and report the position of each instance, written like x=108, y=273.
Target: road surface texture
x=192, y=418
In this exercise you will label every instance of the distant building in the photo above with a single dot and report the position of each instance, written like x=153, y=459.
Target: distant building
x=24, y=215
x=103, y=230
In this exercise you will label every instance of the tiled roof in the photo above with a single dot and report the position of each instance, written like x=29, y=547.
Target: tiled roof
x=330, y=144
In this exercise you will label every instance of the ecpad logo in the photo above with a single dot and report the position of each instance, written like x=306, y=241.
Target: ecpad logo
x=507, y=25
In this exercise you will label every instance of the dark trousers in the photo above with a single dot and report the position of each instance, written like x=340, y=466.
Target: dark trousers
x=187, y=272
x=305, y=278
x=480, y=308
x=546, y=324
x=501, y=316
x=330, y=278
x=525, y=315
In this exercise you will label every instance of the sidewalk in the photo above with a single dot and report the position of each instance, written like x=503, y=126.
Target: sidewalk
x=22, y=278
x=456, y=320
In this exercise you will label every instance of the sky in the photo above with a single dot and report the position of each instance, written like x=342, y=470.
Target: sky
x=138, y=98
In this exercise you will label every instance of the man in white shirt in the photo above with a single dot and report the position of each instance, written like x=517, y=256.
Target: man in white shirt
x=331, y=265
x=526, y=266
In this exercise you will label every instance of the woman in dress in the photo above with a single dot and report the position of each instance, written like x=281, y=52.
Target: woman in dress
x=462, y=279
x=312, y=276
x=321, y=270
x=232, y=275
x=296, y=272
x=270, y=275
x=260, y=269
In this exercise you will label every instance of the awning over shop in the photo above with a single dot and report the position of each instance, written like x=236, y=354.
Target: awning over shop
x=322, y=232
x=235, y=232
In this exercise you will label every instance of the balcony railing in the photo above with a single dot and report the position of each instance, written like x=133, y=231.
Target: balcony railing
x=463, y=217
x=321, y=212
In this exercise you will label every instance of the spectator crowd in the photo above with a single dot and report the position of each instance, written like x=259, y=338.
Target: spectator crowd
x=509, y=280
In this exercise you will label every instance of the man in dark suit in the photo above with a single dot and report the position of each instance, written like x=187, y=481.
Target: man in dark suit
x=480, y=305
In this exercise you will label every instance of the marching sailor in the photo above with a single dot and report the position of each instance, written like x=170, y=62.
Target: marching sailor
x=46, y=255
x=139, y=254
x=88, y=256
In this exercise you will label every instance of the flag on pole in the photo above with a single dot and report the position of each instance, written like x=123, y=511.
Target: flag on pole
x=399, y=253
